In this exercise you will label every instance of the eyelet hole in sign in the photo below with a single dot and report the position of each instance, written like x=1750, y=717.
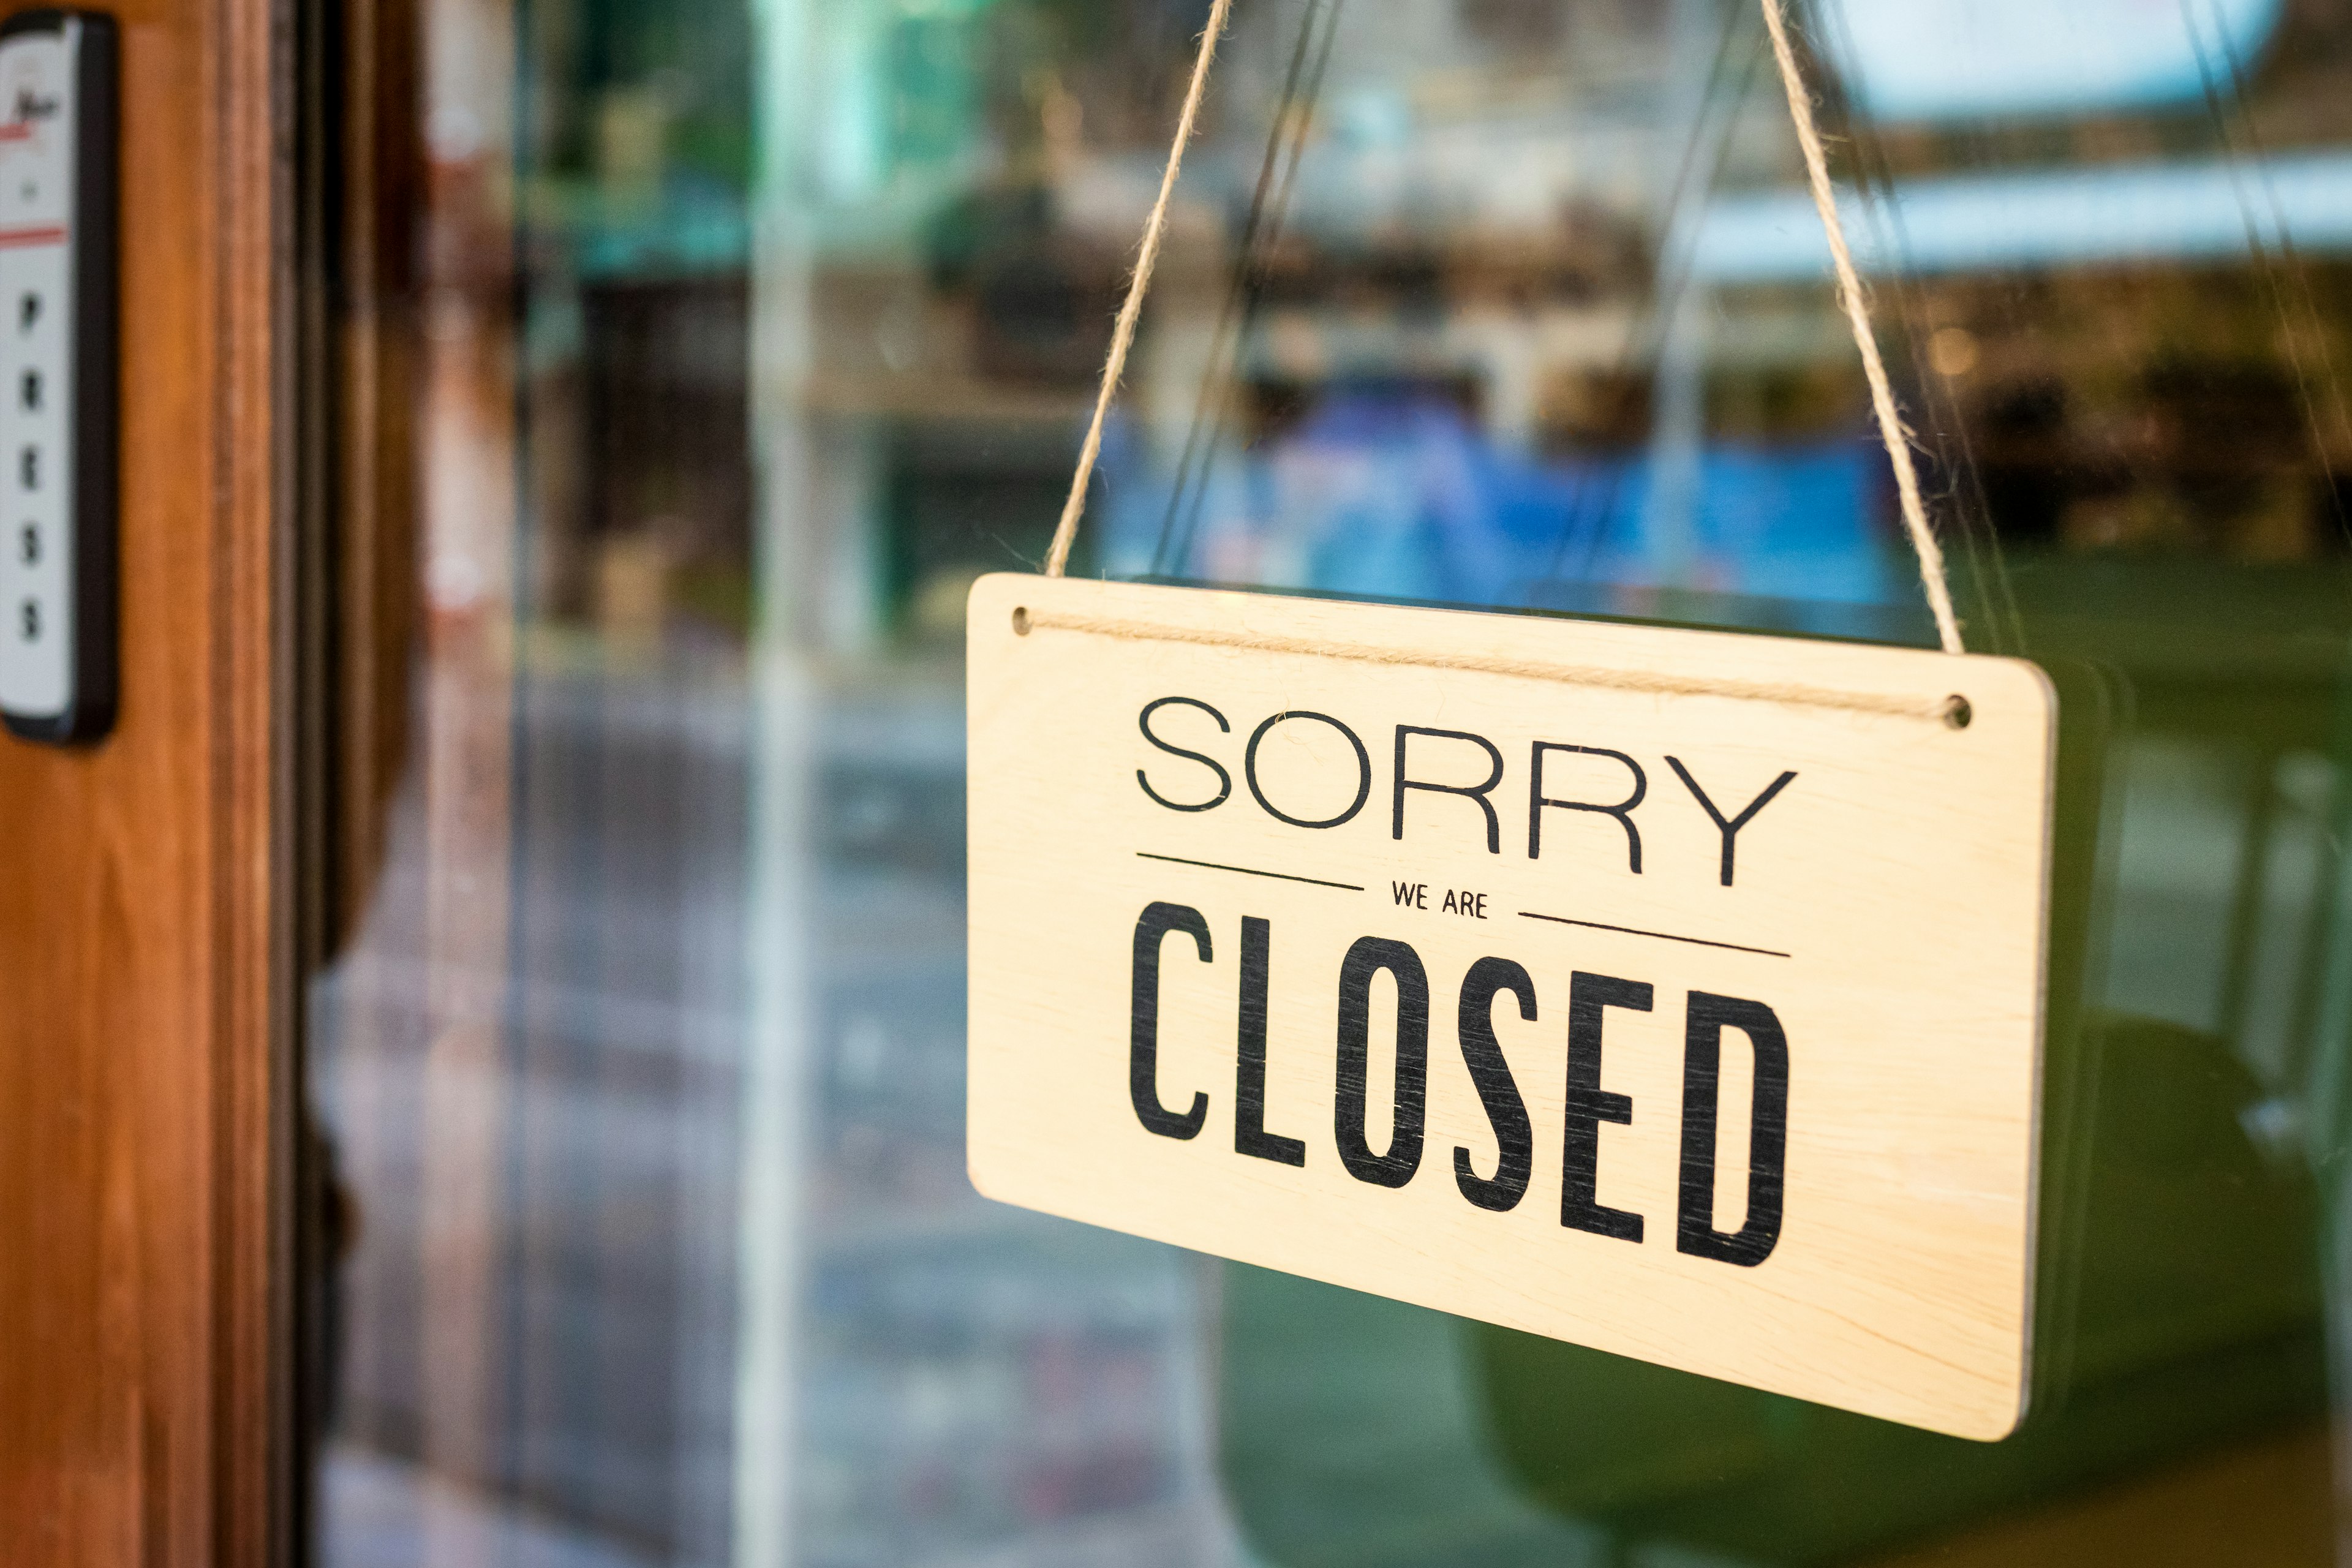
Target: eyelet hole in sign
x=1957, y=713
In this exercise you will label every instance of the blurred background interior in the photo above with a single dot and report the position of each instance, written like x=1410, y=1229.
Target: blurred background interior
x=729, y=339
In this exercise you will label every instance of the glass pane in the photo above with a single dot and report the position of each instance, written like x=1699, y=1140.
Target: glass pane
x=753, y=330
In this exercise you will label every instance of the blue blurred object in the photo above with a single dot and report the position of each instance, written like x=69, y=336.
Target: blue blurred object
x=1964, y=59
x=1392, y=491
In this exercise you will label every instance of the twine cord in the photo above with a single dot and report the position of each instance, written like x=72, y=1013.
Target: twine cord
x=1851, y=298
x=1122, y=338
x=1857, y=314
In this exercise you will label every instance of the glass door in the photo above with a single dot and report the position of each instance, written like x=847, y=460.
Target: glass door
x=748, y=332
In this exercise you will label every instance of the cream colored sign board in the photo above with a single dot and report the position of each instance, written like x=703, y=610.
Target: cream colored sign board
x=1677, y=993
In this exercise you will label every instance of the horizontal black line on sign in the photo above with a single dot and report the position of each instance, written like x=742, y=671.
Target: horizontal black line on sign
x=1662, y=936
x=1277, y=876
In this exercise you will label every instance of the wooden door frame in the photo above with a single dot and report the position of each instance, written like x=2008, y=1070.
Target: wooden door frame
x=148, y=942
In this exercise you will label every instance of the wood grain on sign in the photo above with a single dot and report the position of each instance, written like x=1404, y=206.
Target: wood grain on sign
x=1677, y=993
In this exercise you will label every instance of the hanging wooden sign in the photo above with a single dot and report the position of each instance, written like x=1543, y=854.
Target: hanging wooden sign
x=1673, y=993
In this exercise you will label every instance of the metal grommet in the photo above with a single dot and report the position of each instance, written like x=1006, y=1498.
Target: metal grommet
x=1957, y=713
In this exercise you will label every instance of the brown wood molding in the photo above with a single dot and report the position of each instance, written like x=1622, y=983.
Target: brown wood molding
x=144, y=952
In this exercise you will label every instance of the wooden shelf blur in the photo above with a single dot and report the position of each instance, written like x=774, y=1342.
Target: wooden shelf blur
x=945, y=398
